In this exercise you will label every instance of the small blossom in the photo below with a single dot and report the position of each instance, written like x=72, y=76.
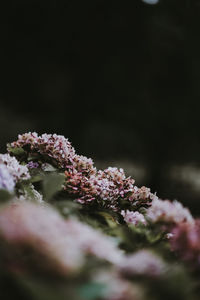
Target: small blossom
x=169, y=235
x=132, y=217
x=32, y=165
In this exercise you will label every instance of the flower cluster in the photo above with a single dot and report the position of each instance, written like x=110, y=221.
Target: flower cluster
x=133, y=217
x=83, y=180
x=109, y=186
x=168, y=212
x=143, y=262
x=11, y=172
x=185, y=240
x=17, y=171
x=63, y=243
x=6, y=180
x=84, y=165
x=32, y=165
x=141, y=197
x=27, y=225
x=54, y=146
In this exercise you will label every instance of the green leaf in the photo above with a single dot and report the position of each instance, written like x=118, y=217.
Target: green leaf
x=36, y=178
x=92, y=291
x=67, y=207
x=28, y=190
x=5, y=195
x=52, y=184
x=108, y=218
x=16, y=151
x=43, y=289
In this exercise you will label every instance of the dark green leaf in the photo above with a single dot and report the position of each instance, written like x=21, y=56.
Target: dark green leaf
x=92, y=291
x=15, y=151
x=5, y=195
x=52, y=184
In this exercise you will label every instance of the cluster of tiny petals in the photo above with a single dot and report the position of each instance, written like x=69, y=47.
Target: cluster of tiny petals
x=132, y=217
x=143, y=262
x=140, y=193
x=82, y=178
x=83, y=164
x=32, y=165
x=16, y=170
x=6, y=180
x=168, y=212
x=116, y=174
x=55, y=146
x=108, y=185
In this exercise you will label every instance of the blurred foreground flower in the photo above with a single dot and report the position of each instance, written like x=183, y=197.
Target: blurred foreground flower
x=118, y=288
x=168, y=212
x=143, y=262
x=37, y=237
x=185, y=240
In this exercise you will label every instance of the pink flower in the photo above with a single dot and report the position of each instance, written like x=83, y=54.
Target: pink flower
x=132, y=217
x=54, y=146
x=50, y=242
x=185, y=240
x=168, y=212
x=143, y=262
x=88, y=185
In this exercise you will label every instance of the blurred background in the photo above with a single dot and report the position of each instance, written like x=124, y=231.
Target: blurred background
x=120, y=79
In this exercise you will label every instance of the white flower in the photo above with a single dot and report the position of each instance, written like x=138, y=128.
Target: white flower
x=17, y=171
x=6, y=180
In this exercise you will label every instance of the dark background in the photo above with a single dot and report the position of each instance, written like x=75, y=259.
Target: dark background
x=120, y=79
